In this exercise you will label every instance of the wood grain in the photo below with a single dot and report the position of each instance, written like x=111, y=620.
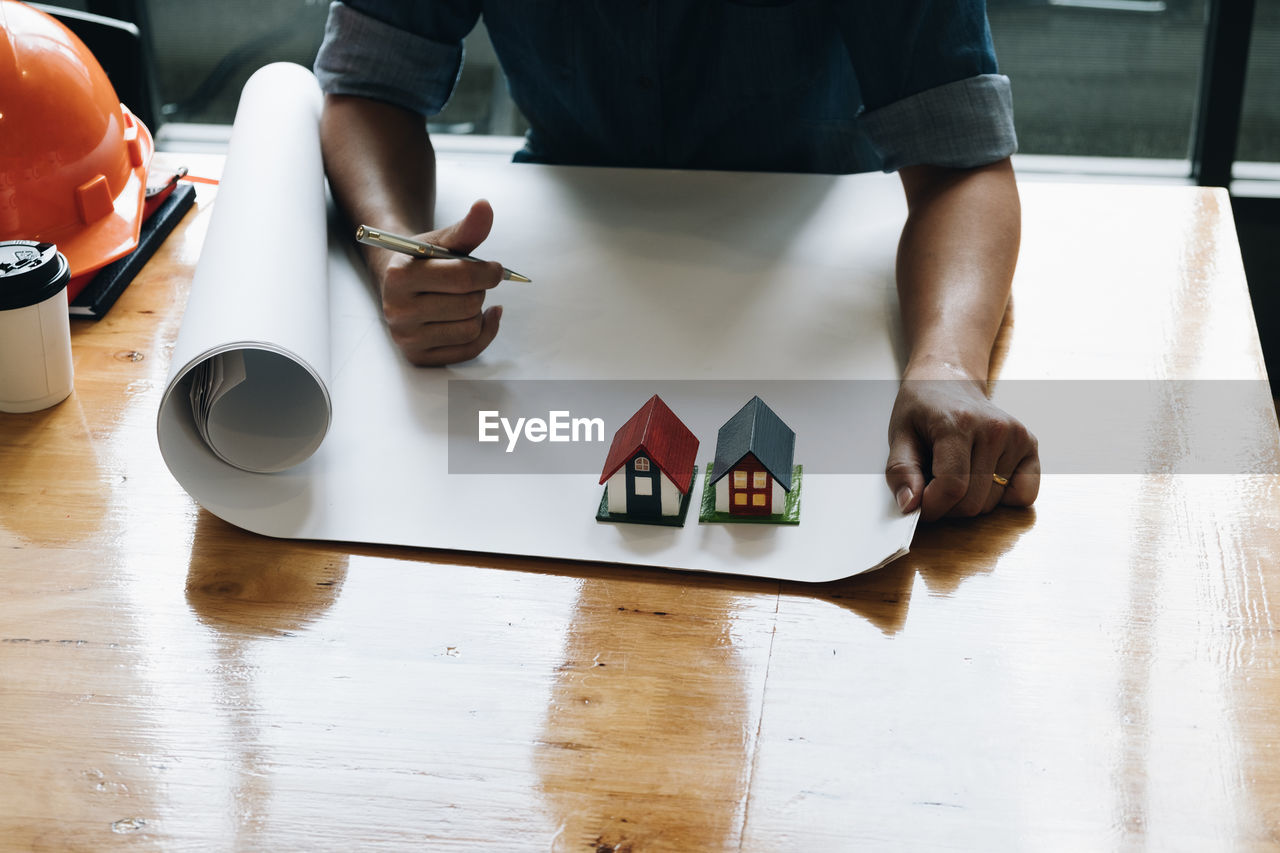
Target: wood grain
x=1099, y=672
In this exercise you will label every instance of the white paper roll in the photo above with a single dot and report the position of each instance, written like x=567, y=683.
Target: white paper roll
x=260, y=291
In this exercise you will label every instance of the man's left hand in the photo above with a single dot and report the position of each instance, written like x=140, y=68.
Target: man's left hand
x=950, y=448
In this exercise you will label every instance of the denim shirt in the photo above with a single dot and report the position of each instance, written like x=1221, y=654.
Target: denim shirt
x=831, y=86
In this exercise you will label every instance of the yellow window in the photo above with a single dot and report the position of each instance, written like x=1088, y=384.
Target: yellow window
x=740, y=499
x=757, y=500
x=758, y=479
x=739, y=479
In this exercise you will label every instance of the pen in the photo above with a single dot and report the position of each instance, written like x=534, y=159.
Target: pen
x=409, y=246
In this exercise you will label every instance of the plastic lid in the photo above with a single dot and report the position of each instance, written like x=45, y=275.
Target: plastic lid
x=30, y=273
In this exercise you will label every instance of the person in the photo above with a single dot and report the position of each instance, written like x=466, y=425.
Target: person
x=829, y=86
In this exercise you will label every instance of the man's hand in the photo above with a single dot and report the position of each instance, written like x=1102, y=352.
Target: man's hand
x=435, y=309
x=947, y=440
x=382, y=170
x=947, y=443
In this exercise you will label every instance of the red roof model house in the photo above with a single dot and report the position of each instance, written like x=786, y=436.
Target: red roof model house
x=649, y=472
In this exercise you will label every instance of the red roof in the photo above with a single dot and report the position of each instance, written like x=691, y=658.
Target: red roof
x=664, y=439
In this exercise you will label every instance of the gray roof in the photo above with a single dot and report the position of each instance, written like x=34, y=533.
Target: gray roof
x=756, y=429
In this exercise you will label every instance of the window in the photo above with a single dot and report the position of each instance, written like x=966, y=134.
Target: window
x=740, y=499
x=759, y=480
x=757, y=500
x=644, y=486
x=204, y=52
x=1099, y=78
x=1102, y=78
x=1259, y=141
x=642, y=464
x=739, y=479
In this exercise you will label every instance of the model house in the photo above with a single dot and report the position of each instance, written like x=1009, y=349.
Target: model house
x=650, y=467
x=752, y=471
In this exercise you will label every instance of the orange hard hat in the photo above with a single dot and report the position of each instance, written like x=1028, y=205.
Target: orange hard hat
x=73, y=159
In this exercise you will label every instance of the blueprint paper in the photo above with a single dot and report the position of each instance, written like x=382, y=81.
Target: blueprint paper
x=638, y=274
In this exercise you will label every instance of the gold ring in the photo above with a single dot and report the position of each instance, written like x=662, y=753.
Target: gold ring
x=1000, y=481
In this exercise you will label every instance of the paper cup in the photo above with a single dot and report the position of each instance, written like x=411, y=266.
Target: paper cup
x=35, y=331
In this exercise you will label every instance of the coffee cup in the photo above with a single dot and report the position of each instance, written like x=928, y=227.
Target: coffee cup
x=35, y=331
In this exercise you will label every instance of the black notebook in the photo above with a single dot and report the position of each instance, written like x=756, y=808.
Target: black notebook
x=106, y=286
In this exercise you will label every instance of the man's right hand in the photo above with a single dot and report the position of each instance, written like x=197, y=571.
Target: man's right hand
x=435, y=308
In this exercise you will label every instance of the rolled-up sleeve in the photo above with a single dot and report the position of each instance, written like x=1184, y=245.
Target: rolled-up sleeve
x=392, y=52
x=962, y=124
x=930, y=85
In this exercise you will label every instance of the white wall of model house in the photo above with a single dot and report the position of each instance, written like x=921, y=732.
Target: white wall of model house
x=617, y=486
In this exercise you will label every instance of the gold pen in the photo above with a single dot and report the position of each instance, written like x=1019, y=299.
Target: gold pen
x=418, y=249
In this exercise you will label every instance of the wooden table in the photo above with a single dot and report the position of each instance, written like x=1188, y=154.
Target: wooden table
x=1102, y=672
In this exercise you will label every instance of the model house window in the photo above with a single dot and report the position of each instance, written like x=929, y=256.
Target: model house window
x=758, y=479
x=740, y=499
x=739, y=479
x=644, y=486
x=757, y=500
x=642, y=464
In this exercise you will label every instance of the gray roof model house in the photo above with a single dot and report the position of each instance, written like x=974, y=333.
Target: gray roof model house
x=754, y=467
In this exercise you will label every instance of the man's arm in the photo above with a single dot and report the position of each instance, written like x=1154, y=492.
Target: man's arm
x=381, y=167
x=955, y=266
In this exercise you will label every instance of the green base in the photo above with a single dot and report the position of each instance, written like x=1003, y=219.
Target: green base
x=790, y=504
x=603, y=514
